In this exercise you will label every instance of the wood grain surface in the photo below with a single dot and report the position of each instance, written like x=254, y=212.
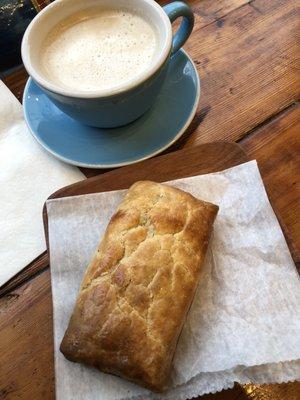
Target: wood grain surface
x=204, y=159
x=276, y=146
x=248, y=62
x=37, y=265
x=26, y=341
x=247, y=55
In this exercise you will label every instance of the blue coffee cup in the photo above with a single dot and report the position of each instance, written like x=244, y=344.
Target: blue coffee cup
x=118, y=105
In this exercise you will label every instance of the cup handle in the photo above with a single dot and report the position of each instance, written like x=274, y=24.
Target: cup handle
x=175, y=10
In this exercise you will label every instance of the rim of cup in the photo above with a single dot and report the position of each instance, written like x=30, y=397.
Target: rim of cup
x=26, y=50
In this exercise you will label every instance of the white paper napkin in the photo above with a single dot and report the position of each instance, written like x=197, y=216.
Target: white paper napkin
x=244, y=323
x=28, y=175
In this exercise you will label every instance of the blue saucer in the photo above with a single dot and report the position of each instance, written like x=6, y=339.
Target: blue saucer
x=152, y=133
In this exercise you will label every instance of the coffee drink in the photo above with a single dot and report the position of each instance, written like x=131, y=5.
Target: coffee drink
x=98, y=49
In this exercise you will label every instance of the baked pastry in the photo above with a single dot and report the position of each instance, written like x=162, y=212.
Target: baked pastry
x=139, y=286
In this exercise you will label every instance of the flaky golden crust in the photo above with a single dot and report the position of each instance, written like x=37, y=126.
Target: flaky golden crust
x=140, y=284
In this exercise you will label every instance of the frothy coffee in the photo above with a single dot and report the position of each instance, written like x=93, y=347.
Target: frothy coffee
x=98, y=49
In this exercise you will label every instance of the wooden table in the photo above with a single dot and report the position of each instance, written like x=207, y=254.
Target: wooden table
x=247, y=55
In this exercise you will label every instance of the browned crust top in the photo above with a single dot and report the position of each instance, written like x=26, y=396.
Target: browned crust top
x=140, y=284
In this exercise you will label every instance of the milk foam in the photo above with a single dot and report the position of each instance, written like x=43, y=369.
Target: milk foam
x=98, y=49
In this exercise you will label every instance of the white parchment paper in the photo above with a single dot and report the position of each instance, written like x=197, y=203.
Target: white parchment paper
x=244, y=324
